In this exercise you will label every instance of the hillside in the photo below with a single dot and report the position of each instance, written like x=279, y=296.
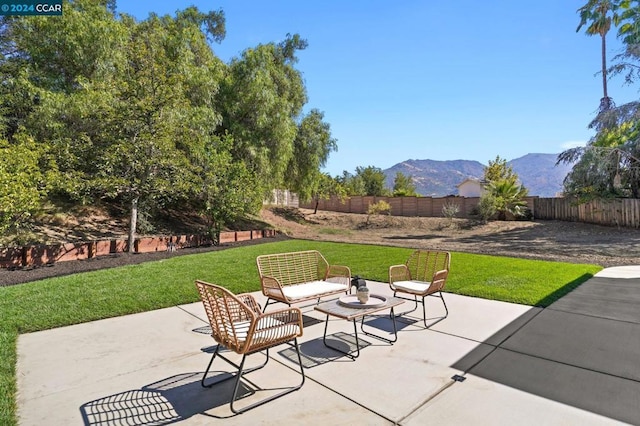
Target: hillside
x=537, y=172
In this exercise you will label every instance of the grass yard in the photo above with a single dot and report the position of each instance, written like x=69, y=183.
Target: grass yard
x=107, y=293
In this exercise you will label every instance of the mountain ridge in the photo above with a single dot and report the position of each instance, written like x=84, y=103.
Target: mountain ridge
x=537, y=172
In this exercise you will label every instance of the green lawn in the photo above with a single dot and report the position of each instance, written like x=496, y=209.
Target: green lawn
x=95, y=295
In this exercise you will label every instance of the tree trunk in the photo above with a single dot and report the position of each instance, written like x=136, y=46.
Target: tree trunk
x=315, y=210
x=604, y=66
x=133, y=223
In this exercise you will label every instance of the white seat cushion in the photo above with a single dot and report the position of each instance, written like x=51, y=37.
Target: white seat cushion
x=416, y=287
x=313, y=288
x=242, y=328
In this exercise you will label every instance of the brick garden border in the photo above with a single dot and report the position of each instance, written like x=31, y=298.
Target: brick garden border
x=41, y=255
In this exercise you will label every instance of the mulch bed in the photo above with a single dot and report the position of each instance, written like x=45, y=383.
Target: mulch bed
x=24, y=275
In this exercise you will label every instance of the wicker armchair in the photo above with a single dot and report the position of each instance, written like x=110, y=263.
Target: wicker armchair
x=238, y=324
x=423, y=274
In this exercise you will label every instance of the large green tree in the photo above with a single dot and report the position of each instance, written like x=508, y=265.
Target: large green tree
x=261, y=101
x=373, y=180
x=163, y=112
x=609, y=166
x=311, y=148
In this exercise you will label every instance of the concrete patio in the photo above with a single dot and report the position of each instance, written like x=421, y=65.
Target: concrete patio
x=575, y=362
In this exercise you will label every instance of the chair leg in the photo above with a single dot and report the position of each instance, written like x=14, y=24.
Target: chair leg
x=424, y=306
x=271, y=398
x=216, y=353
x=204, y=376
x=445, y=305
x=269, y=300
x=424, y=312
x=415, y=299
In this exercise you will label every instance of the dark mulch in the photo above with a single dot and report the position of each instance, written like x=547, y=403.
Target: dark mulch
x=58, y=269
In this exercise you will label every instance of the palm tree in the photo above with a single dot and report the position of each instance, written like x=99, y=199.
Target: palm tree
x=508, y=198
x=598, y=16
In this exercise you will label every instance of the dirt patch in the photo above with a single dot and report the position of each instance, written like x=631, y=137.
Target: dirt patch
x=547, y=240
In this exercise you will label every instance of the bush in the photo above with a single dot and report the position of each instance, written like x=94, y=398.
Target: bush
x=450, y=210
x=487, y=207
x=381, y=207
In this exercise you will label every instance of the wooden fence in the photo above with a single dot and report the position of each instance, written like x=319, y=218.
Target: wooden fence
x=400, y=206
x=622, y=212
x=404, y=206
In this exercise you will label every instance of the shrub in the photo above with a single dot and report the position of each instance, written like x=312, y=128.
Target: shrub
x=450, y=209
x=381, y=207
x=487, y=207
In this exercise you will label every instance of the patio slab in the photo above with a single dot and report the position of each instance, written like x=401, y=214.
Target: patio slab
x=145, y=369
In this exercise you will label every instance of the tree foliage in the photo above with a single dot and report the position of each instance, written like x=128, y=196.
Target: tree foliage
x=21, y=183
x=504, y=195
x=403, y=186
x=497, y=170
x=311, y=148
x=262, y=97
x=143, y=114
x=372, y=180
x=326, y=188
x=352, y=184
x=507, y=198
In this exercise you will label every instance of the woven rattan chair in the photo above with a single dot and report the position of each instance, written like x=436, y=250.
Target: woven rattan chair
x=423, y=274
x=238, y=324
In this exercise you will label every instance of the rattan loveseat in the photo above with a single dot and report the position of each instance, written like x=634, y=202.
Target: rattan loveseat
x=300, y=276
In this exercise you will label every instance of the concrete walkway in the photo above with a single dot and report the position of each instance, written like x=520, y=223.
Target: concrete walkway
x=576, y=362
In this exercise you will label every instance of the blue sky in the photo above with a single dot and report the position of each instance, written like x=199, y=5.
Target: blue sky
x=440, y=80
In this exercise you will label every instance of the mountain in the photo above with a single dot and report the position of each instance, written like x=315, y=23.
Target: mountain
x=537, y=172
x=435, y=178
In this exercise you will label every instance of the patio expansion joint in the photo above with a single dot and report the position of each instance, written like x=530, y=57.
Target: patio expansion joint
x=191, y=314
x=568, y=365
x=455, y=380
x=337, y=393
x=427, y=400
x=493, y=346
x=566, y=311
